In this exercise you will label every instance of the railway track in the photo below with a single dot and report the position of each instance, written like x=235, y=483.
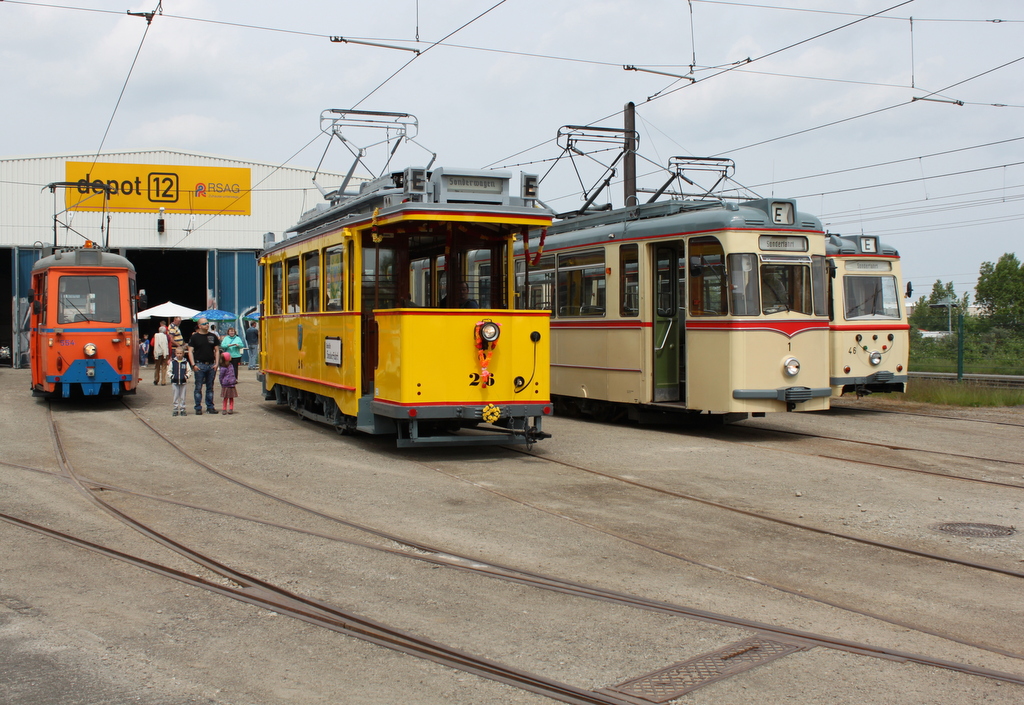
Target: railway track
x=892, y=447
x=285, y=602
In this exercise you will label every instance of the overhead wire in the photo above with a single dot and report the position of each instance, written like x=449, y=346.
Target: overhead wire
x=738, y=67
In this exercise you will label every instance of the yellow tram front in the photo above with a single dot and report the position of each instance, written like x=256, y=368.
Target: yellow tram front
x=393, y=313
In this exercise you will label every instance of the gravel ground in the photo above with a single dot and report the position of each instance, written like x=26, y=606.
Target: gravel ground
x=79, y=628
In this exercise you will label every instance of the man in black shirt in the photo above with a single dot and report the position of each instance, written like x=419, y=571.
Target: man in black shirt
x=203, y=352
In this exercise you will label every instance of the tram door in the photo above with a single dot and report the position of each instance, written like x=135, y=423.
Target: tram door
x=668, y=321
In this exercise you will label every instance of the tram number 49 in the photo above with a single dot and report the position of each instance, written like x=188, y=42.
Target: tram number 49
x=474, y=380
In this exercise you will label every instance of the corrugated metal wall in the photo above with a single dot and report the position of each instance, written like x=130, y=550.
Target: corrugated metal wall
x=279, y=196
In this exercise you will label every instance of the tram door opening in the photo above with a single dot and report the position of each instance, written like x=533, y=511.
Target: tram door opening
x=669, y=322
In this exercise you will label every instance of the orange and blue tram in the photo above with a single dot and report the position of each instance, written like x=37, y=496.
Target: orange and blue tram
x=83, y=325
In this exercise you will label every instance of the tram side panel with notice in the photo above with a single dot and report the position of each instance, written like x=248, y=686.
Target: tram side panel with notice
x=83, y=325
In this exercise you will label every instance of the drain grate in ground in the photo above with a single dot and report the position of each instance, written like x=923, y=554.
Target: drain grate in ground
x=975, y=530
x=668, y=683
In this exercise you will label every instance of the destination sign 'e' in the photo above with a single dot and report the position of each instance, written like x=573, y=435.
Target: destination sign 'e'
x=146, y=188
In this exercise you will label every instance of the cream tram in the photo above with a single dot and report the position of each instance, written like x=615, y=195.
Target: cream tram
x=391, y=311
x=685, y=305
x=870, y=334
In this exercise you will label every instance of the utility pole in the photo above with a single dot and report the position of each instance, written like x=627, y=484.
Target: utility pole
x=629, y=161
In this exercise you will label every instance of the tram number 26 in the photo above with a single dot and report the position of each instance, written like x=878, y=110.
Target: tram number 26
x=475, y=381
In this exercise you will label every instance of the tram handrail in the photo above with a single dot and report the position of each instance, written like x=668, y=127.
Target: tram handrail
x=667, y=331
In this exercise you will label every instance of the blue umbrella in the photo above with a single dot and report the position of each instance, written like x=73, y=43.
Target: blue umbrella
x=215, y=314
x=254, y=316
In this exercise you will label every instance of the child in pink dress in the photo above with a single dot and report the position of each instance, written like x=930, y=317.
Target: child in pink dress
x=227, y=383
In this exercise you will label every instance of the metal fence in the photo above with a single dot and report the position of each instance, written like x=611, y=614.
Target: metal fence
x=973, y=345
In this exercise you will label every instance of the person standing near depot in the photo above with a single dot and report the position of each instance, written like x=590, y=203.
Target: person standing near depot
x=161, y=353
x=174, y=331
x=233, y=345
x=252, y=341
x=203, y=352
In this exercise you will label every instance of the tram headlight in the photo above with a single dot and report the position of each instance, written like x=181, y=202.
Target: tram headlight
x=89, y=349
x=791, y=366
x=490, y=331
x=875, y=357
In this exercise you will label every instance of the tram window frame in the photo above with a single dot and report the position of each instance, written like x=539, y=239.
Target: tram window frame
x=629, y=280
x=101, y=303
x=541, y=294
x=334, y=277
x=42, y=291
x=380, y=292
x=583, y=272
x=293, y=285
x=786, y=285
x=744, y=285
x=707, y=277
x=888, y=292
x=311, y=282
x=819, y=279
x=276, y=274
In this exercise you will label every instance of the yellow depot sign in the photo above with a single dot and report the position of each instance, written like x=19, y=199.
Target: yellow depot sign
x=146, y=188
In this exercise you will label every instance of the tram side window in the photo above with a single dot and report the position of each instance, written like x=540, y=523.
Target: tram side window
x=743, y=289
x=541, y=295
x=629, y=280
x=871, y=297
x=482, y=286
x=380, y=283
x=819, y=277
x=707, y=277
x=93, y=298
x=277, y=287
x=294, y=284
x=786, y=287
x=311, y=277
x=581, y=284
x=43, y=299
x=334, y=277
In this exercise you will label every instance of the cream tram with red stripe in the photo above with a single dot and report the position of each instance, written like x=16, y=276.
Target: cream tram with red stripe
x=686, y=305
x=391, y=311
x=870, y=333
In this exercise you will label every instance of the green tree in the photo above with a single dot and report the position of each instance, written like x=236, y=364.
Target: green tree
x=1000, y=289
x=925, y=317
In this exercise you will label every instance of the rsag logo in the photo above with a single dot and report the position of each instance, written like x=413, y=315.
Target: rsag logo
x=215, y=189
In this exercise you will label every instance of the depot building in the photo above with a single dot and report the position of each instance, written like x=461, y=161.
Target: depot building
x=192, y=224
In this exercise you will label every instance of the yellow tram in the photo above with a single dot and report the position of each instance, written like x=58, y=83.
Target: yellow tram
x=391, y=311
x=685, y=306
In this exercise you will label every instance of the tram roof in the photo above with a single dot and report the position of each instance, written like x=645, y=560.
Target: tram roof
x=83, y=257
x=855, y=245
x=676, y=217
x=417, y=189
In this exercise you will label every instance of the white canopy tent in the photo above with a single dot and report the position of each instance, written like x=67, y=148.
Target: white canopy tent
x=167, y=310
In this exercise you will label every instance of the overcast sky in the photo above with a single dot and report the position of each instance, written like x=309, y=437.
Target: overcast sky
x=812, y=99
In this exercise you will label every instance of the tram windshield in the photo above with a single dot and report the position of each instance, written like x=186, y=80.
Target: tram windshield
x=870, y=297
x=786, y=287
x=88, y=298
